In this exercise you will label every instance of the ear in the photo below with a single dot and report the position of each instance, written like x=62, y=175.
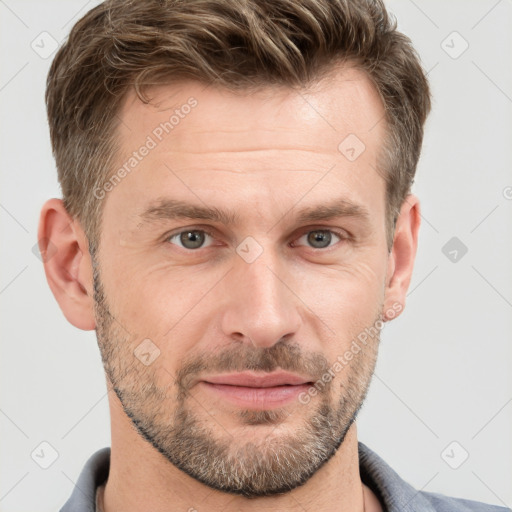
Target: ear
x=67, y=263
x=401, y=257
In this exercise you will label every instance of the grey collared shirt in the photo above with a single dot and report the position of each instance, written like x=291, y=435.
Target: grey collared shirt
x=394, y=493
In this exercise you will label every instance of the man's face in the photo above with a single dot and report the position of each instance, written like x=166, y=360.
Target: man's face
x=285, y=285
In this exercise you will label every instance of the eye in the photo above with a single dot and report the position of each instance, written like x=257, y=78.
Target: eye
x=190, y=239
x=321, y=238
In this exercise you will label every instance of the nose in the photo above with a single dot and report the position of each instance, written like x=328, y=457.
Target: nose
x=261, y=307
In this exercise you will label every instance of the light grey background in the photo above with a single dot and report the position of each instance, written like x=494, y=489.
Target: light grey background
x=444, y=368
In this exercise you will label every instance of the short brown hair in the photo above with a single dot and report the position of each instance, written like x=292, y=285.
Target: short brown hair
x=237, y=44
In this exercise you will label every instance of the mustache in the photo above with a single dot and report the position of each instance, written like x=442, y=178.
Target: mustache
x=282, y=355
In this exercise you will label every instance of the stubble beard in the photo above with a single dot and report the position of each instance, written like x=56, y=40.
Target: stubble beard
x=258, y=465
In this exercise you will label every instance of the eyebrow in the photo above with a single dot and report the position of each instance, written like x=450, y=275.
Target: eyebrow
x=174, y=209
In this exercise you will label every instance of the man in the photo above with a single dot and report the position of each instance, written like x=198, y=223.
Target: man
x=237, y=226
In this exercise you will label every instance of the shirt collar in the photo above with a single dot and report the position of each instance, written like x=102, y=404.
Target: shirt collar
x=394, y=493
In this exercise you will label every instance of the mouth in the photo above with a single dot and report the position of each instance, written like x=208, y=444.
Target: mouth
x=255, y=391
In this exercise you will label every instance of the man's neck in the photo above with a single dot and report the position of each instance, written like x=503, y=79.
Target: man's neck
x=370, y=501
x=141, y=479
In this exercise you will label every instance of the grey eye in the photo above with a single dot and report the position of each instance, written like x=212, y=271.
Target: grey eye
x=193, y=239
x=320, y=238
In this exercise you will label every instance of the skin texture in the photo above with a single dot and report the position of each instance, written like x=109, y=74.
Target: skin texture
x=208, y=311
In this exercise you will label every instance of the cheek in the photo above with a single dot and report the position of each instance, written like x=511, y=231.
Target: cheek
x=348, y=301
x=353, y=293
x=166, y=304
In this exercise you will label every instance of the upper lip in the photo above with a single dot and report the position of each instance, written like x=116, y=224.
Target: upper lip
x=253, y=380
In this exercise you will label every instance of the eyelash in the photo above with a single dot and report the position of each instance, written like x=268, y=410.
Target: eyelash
x=343, y=236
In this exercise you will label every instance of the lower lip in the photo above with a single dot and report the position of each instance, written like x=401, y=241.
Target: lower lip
x=257, y=398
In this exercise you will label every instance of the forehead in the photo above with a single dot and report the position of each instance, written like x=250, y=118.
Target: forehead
x=210, y=143
x=319, y=117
